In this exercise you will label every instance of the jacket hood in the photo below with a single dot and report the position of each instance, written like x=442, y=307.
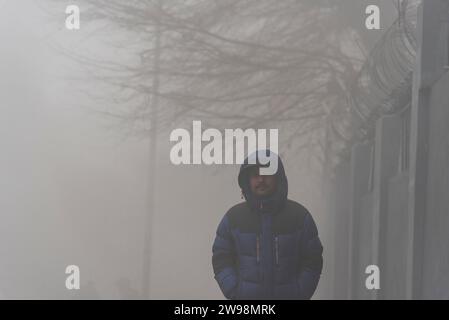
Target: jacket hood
x=272, y=203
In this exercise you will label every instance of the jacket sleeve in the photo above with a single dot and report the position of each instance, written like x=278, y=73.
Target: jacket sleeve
x=223, y=260
x=311, y=258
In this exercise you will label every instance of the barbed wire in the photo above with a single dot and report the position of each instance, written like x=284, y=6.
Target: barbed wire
x=383, y=85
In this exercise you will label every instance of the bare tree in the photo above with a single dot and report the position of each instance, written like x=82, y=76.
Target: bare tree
x=229, y=63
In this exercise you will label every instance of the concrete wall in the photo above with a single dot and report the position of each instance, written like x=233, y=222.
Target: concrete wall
x=360, y=216
x=398, y=211
x=363, y=246
x=341, y=209
x=378, y=219
x=435, y=276
x=394, y=277
x=428, y=267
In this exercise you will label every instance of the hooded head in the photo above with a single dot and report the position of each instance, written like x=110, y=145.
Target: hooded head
x=274, y=201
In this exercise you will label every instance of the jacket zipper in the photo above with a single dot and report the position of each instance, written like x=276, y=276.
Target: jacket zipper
x=257, y=249
x=276, y=250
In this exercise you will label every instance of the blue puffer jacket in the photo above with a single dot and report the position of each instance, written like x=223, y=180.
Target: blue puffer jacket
x=267, y=248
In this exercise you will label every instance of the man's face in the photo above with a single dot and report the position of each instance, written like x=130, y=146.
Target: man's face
x=261, y=185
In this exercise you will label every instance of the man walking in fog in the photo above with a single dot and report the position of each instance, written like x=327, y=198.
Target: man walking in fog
x=266, y=247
